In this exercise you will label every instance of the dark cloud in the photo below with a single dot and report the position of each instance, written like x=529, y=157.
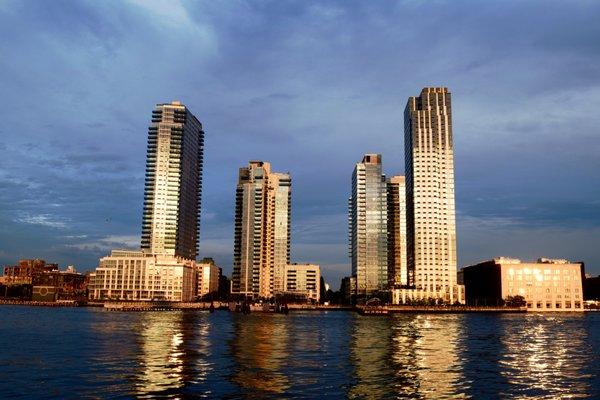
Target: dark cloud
x=309, y=86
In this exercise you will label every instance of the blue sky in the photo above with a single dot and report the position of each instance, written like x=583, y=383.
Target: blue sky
x=310, y=87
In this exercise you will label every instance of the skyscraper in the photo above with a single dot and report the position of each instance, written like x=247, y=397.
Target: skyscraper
x=430, y=214
x=396, y=203
x=367, y=217
x=262, y=231
x=165, y=267
x=171, y=219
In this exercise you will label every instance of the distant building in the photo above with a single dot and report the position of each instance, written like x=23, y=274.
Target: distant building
x=207, y=277
x=303, y=279
x=172, y=194
x=137, y=275
x=40, y=281
x=23, y=272
x=396, y=211
x=546, y=285
x=430, y=209
x=348, y=289
x=262, y=231
x=367, y=217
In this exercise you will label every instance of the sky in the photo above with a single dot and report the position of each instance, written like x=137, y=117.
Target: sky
x=310, y=87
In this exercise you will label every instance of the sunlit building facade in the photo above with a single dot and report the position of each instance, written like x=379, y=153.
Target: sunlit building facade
x=137, y=275
x=430, y=209
x=367, y=218
x=172, y=195
x=262, y=231
x=546, y=285
x=396, y=211
x=303, y=279
x=208, y=275
x=164, y=268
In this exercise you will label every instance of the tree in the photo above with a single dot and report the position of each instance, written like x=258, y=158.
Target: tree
x=515, y=301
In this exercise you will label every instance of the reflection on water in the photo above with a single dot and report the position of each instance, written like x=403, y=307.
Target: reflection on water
x=161, y=362
x=97, y=354
x=546, y=357
x=259, y=349
x=406, y=356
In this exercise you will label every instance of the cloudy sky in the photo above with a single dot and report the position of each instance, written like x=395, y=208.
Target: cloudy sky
x=310, y=87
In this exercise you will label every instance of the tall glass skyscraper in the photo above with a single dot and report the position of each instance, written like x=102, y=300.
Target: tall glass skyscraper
x=171, y=219
x=430, y=214
x=367, y=217
x=262, y=231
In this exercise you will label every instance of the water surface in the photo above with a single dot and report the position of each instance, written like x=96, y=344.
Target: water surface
x=92, y=353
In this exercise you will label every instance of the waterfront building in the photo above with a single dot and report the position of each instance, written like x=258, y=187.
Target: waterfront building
x=546, y=285
x=304, y=280
x=367, y=217
x=208, y=274
x=164, y=268
x=396, y=211
x=172, y=194
x=430, y=209
x=143, y=276
x=262, y=231
x=38, y=280
x=25, y=270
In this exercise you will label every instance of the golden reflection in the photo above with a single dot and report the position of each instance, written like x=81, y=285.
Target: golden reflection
x=162, y=361
x=369, y=352
x=259, y=347
x=438, y=367
x=406, y=356
x=543, y=357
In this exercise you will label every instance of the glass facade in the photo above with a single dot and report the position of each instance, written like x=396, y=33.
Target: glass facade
x=368, y=226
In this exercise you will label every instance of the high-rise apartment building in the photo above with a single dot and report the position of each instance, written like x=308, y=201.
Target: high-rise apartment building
x=396, y=211
x=262, y=231
x=430, y=214
x=367, y=217
x=171, y=219
x=165, y=268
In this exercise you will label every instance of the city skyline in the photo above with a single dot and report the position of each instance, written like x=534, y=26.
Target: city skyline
x=526, y=144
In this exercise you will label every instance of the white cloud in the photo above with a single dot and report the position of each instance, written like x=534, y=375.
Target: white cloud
x=42, y=220
x=107, y=243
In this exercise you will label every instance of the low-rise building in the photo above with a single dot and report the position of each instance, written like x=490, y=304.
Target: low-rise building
x=303, y=279
x=138, y=275
x=35, y=279
x=546, y=285
x=207, y=277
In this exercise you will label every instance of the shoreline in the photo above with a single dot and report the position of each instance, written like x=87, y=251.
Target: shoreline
x=142, y=306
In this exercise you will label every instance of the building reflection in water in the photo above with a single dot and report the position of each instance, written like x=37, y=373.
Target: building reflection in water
x=259, y=348
x=545, y=356
x=406, y=356
x=174, y=349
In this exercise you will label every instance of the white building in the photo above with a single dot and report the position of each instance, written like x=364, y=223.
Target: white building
x=136, y=275
x=430, y=208
x=303, y=279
